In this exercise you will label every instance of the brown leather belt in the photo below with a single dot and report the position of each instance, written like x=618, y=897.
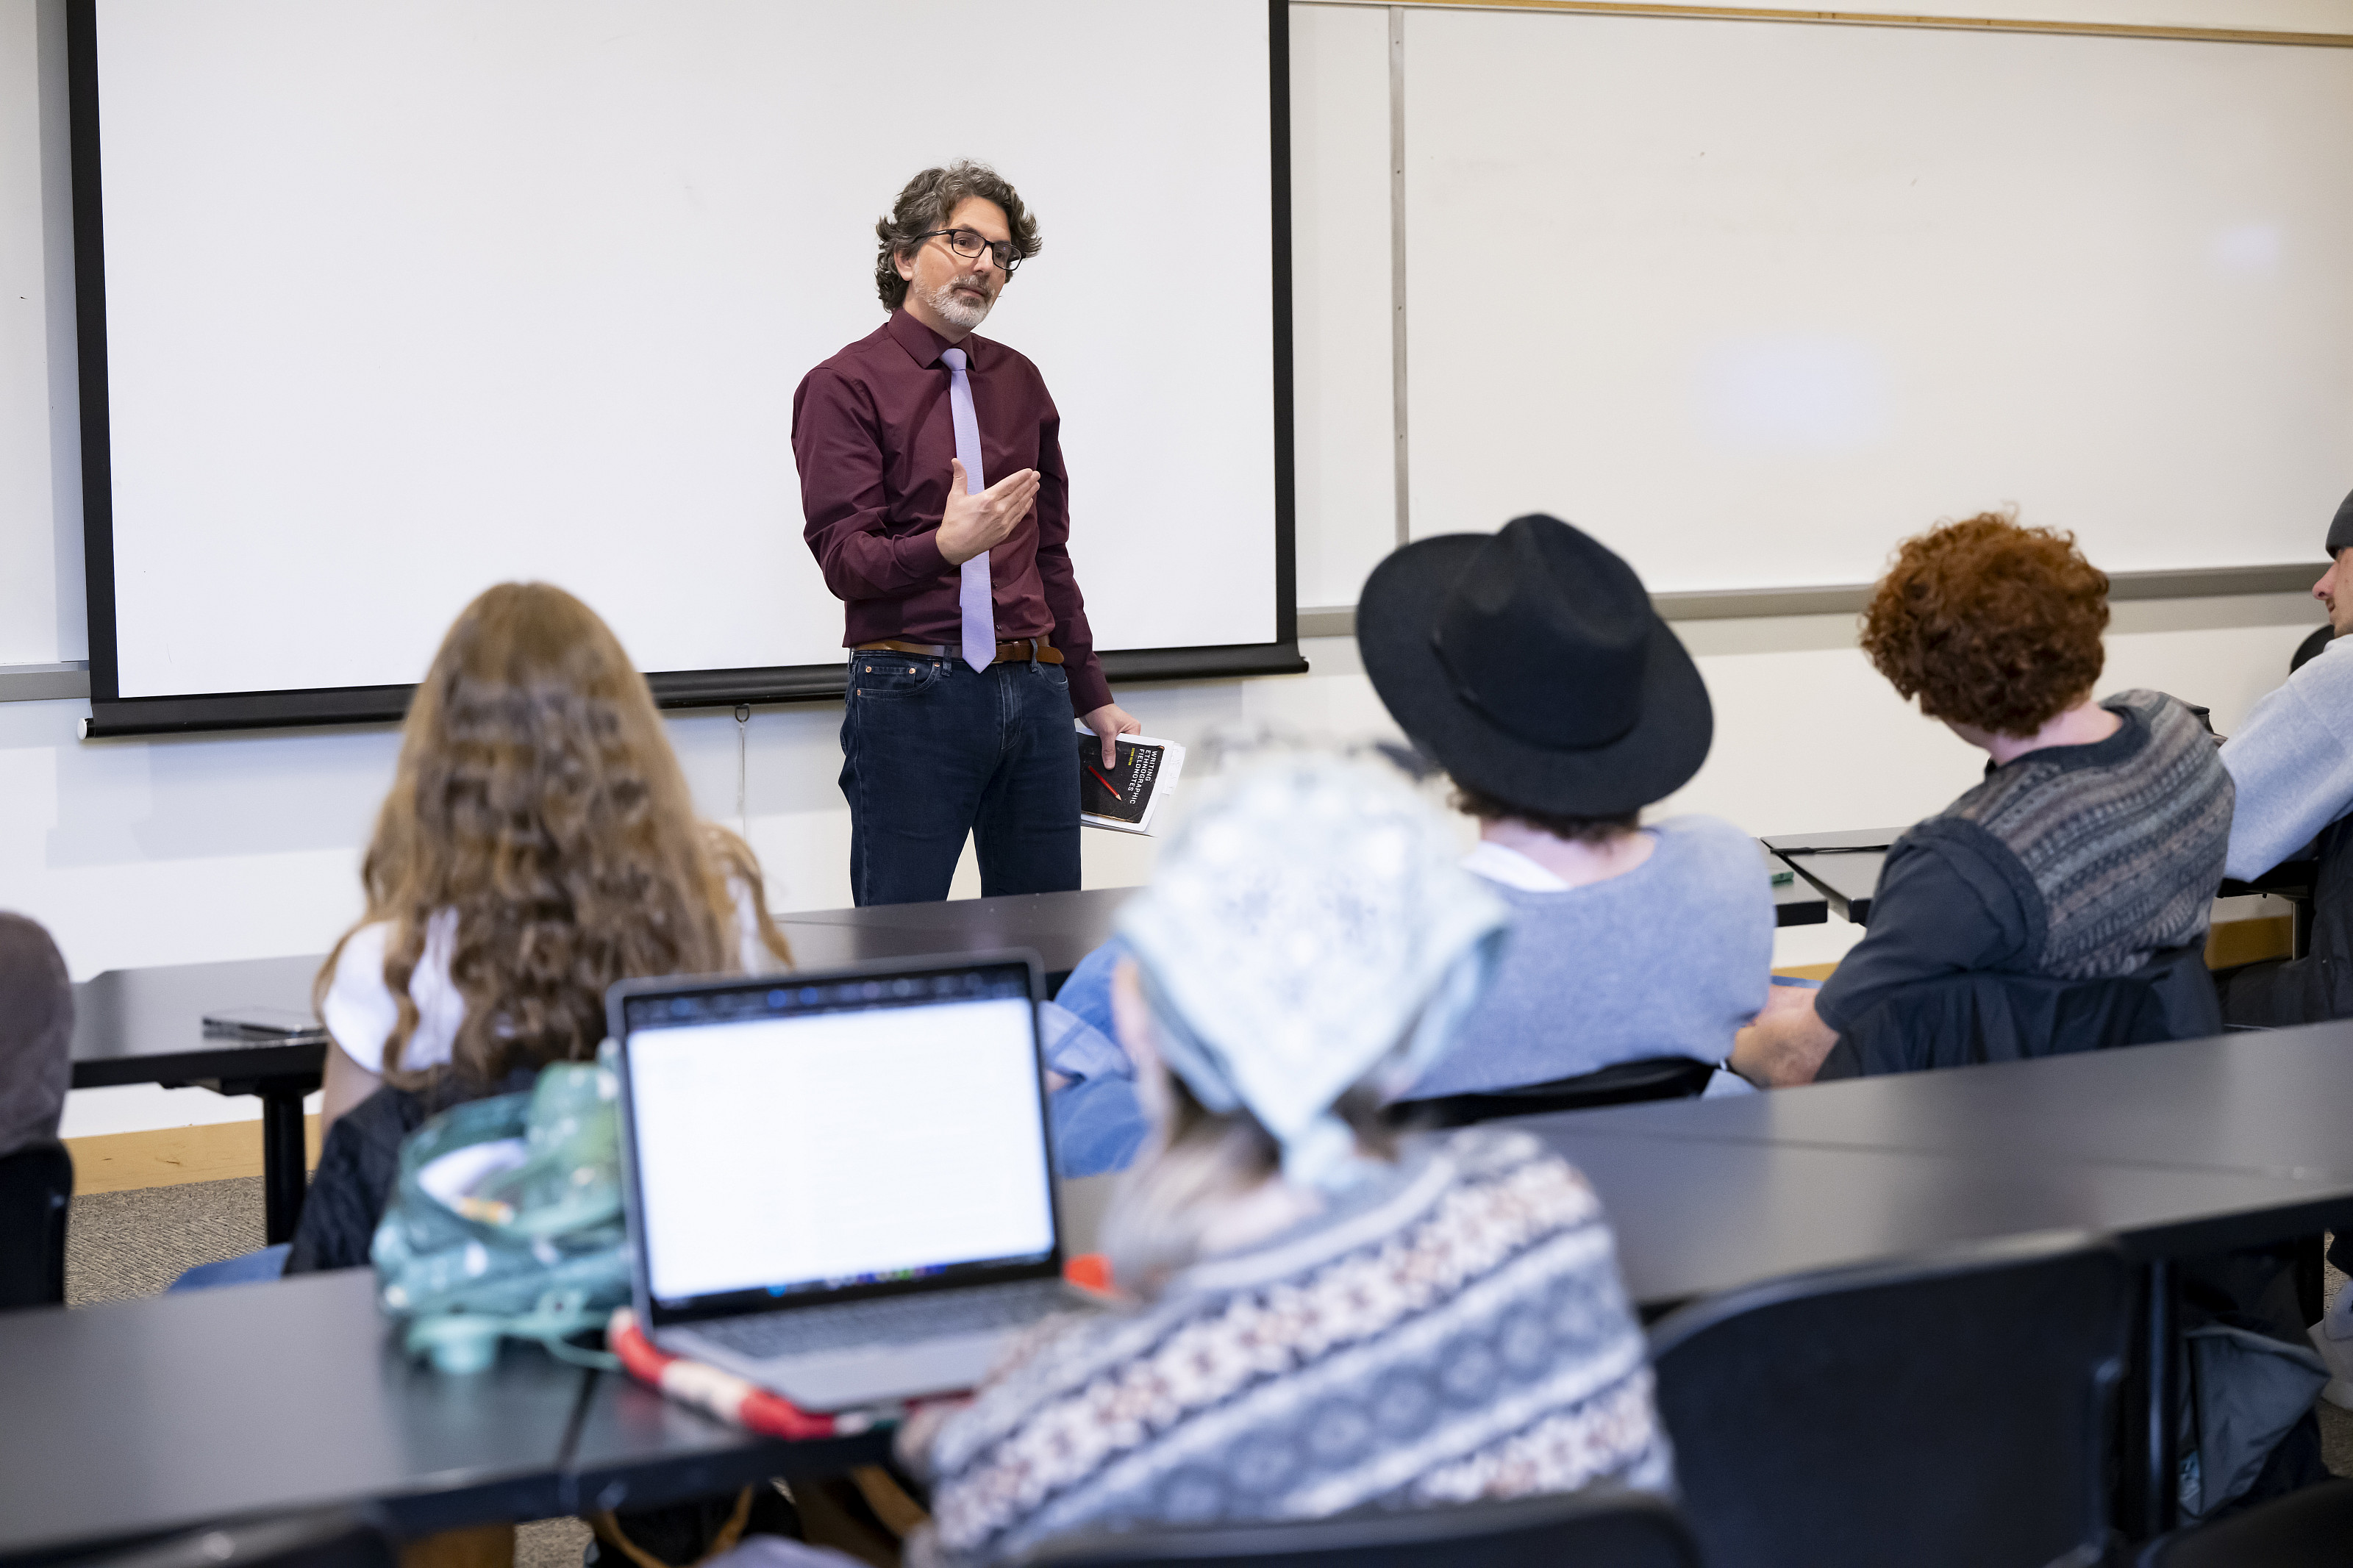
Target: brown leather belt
x=1028, y=650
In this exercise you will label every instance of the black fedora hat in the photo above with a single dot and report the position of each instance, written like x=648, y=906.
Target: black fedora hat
x=1530, y=664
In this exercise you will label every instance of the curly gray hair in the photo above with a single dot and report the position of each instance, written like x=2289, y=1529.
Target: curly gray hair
x=927, y=203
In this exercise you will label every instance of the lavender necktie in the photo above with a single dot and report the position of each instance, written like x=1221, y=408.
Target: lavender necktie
x=973, y=594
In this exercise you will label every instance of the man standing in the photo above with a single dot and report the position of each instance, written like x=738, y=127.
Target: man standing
x=2293, y=761
x=935, y=502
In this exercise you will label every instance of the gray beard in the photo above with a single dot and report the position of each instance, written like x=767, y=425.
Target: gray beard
x=955, y=309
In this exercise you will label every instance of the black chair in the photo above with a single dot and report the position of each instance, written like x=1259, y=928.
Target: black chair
x=1581, y=1529
x=1952, y=1412
x=2310, y=1529
x=1987, y=1015
x=36, y=1196
x=2310, y=647
x=327, y=1539
x=1622, y=1083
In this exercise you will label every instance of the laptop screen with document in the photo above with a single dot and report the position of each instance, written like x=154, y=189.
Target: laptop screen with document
x=800, y=1137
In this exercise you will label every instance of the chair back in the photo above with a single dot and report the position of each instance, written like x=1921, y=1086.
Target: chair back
x=36, y=1198
x=1953, y=1412
x=2307, y=1529
x=1987, y=1015
x=1581, y=1529
x=327, y=1539
x=1620, y=1083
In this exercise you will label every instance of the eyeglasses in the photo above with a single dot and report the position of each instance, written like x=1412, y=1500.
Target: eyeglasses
x=969, y=245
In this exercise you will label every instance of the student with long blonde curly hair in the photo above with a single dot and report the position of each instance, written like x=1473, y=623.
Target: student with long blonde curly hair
x=538, y=844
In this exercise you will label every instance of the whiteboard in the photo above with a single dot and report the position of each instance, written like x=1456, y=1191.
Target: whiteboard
x=410, y=297
x=1751, y=301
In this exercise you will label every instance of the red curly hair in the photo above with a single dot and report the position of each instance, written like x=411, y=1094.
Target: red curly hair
x=1989, y=624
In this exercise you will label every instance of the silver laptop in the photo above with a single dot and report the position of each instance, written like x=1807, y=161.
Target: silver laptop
x=840, y=1184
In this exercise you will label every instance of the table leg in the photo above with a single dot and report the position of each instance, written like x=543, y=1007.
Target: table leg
x=2312, y=1278
x=284, y=1163
x=2159, y=1414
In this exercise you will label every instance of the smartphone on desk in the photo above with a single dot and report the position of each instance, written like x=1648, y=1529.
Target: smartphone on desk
x=284, y=1025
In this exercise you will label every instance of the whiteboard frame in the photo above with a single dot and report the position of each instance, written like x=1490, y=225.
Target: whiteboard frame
x=1872, y=19
x=111, y=714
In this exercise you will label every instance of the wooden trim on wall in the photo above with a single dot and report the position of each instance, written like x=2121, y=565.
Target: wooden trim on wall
x=1878, y=19
x=209, y=1152
x=1849, y=598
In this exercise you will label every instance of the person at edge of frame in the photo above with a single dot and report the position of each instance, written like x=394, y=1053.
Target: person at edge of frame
x=2292, y=761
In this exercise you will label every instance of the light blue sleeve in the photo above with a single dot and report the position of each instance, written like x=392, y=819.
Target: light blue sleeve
x=1076, y=1048
x=1099, y=1123
x=1086, y=990
x=1098, y=1126
x=2291, y=765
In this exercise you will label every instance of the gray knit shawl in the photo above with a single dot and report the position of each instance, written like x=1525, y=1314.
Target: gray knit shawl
x=2112, y=850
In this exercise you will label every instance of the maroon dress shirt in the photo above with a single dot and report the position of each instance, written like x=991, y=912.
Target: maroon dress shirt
x=872, y=436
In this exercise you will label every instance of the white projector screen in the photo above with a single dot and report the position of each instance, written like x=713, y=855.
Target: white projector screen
x=1782, y=295
x=404, y=298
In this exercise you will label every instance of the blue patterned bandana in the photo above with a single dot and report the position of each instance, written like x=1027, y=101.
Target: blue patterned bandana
x=1308, y=928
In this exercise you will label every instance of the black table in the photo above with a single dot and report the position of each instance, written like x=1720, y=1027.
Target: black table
x=2275, y=1103
x=2288, y=879
x=1844, y=865
x=134, y=1419
x=2293, y=881
x=1796, y=902
x=142, y=1417
x=1695, y=1217
x=138, y=1417
x=146, y=1025
x=1696, y=1212
x=1061, y=928
x=2178, y=1150
x=637, y=1449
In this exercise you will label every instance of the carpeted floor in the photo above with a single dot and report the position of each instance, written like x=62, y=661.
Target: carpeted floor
x=137, y=1243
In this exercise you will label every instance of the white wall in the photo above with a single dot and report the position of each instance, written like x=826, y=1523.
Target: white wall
x=183, y=850
x=1341, y=422
x=41, y=614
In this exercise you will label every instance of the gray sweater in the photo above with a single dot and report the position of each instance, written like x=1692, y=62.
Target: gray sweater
x=1669, y=959
x=2293, y=762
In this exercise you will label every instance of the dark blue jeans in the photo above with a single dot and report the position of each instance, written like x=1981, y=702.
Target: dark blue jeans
x=932, y=750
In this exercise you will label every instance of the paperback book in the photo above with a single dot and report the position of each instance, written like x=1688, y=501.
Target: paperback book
x=1125, y=795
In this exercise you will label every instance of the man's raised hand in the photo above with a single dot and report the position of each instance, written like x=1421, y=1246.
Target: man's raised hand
x=973, y=524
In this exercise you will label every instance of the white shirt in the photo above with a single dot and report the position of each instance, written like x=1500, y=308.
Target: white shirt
x=1501, y=863
x=359, y=1010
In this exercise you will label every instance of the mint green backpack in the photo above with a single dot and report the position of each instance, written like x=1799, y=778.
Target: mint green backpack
x=507, y=1221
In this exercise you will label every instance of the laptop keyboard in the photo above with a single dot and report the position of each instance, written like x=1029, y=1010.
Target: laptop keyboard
x=886, y=1320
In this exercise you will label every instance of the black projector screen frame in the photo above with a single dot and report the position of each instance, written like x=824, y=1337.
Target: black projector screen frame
x=112, y=715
